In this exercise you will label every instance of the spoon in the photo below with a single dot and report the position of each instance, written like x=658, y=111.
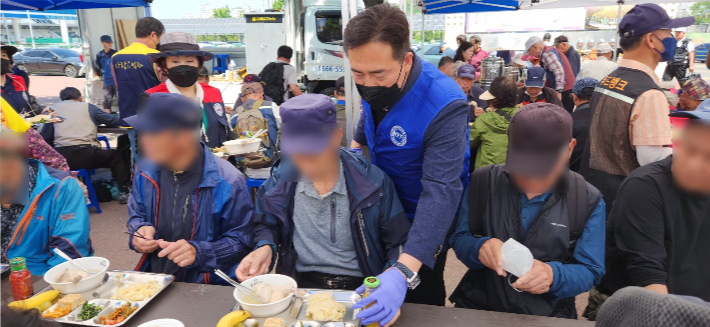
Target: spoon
x=236, y=284
x=66, y=257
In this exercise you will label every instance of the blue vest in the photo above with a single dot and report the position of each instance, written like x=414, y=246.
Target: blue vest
x=397, y=145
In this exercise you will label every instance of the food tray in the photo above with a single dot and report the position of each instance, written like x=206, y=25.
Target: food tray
x=103, y=293
x=4, y=267
x=295, y=315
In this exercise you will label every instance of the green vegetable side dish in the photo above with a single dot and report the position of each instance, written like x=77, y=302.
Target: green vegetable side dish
x=89, y=311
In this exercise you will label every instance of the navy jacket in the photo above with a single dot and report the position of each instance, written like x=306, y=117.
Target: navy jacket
x=221, y=221
x=378, y=222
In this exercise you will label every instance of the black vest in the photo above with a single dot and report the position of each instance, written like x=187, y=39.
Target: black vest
x=681, y=53
x=551, y=237
x=609, y=156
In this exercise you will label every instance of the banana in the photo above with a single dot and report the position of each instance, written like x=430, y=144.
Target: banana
x=233, y=318
x=34, y=301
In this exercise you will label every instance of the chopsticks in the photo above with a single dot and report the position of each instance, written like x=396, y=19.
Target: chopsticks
x=136, y=232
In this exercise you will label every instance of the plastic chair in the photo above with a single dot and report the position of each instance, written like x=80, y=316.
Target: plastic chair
x=253, y=185
x=103, y=138
x=94, y=202
x=220, y=63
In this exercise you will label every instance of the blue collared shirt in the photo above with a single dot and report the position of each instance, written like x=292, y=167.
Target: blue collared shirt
x=340, y=102
x=569, y=279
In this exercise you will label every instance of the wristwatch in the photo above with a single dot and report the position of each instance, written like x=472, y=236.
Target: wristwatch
x=412, y=277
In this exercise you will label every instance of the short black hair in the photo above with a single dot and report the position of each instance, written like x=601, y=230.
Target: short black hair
x=69, y=93
x=147, y=25
x=463, y=47
x=381, y=23
x=445, y=60
x=629, y=42
x=586, y=94
x=284, y=51
x=203, y=72
x=506, y=92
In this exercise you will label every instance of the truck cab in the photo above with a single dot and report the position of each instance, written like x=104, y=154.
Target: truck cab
x=317, y=40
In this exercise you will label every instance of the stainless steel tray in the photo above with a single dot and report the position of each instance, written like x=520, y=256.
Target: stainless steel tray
x=4, y=267
x=295, y=315
x=103, y=293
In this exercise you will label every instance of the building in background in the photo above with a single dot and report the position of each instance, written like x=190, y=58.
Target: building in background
x=54, y=28
x=238, y=12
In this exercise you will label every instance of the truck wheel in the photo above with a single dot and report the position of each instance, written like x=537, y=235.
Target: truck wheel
x=329, y=91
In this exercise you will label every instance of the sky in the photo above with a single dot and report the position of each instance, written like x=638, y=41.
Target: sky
x=166, y=9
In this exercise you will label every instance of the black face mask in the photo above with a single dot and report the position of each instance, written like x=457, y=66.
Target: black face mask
x=183, y=76
x=5, y=67
x=380, y=97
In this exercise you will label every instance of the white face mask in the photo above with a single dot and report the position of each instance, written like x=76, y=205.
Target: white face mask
x=517, y=258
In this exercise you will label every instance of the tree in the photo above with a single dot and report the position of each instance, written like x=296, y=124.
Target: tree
x=222, y=12
x=701, y=11
x=278, y=5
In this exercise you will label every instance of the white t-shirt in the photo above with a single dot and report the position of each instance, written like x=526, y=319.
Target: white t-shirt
x=289, y=77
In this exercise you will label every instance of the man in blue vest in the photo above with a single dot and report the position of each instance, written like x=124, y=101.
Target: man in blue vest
x=415, y=123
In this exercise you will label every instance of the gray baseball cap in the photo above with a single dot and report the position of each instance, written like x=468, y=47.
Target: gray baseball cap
x=537, y=135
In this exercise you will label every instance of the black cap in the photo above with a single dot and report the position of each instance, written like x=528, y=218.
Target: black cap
x=203, y=72
x=252, y=78
x=163, y=111
x=649, y=17
x=340, y=84
x=547, y=36
x=10, y=50
x=537, y=135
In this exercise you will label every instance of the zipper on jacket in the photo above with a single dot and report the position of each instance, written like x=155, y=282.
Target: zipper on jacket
x=185, y=208
x=172, y=221
x=332, y=220
x=361, y=222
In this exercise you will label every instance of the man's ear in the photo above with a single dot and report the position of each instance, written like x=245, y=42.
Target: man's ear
x=572, y=144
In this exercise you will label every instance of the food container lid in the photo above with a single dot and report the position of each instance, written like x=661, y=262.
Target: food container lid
x=372, y=282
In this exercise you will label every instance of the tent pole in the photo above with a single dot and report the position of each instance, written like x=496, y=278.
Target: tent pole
x=616, y=35
x=32, y=36
x=411, y=19
x=421, y=53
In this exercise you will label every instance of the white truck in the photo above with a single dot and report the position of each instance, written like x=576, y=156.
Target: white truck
x=313, y=28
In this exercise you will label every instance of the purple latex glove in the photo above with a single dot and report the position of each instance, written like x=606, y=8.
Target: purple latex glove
x=387, y=298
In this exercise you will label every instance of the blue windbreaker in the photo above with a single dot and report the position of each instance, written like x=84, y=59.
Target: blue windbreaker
x=378, y=222
x=222, y=218
x=56, y=217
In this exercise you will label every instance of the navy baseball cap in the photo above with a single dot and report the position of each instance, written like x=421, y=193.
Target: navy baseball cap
x=649, y=17
x=701, y=112
x=307, y=124
x=252, y=78
x=535, y=77
x=537, y=135
x=466, y=71
x=163, y=111
x=106, y=38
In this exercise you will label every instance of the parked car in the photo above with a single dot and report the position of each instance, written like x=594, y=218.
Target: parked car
x=50, y=60
x=432, y=52
x=701, y=52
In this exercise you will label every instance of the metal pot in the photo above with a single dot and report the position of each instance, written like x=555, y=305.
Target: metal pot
x=491, y=68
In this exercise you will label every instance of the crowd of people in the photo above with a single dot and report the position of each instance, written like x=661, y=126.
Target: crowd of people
x=577, y=163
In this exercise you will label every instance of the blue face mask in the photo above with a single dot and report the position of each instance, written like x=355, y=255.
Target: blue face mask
x=669, y=46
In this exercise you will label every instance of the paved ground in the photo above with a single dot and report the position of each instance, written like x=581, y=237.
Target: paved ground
x=46, y=87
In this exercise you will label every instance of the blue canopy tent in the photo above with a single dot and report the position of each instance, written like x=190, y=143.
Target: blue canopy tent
x=430, y=7
x=42, y=5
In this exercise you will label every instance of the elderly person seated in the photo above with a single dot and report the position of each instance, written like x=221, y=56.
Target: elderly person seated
x=42, y=208
x=598, y=69
x=189, y=211
x=76, y=138
x=695, y=90
x=256, y=113
x=465, y=77
x=346, y=221
x=535, y=90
